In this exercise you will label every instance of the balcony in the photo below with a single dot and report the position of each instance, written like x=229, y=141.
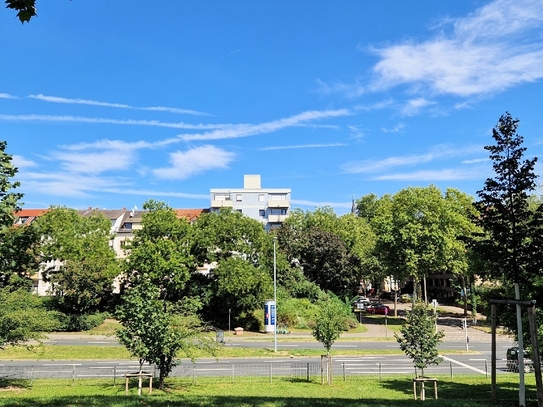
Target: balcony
x=279, y=204
x=277, y=218
x=222, y=204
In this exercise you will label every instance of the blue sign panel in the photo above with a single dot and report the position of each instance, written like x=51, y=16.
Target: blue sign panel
x=272, y=311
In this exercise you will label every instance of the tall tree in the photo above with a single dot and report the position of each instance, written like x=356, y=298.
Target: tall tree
x=504, y=205
x=9, y=200
x=511, y=227
x=420, y=231
x=18, y=260
x=155, y=326
x=160, y=251
x=81, y=265
x=240, y=251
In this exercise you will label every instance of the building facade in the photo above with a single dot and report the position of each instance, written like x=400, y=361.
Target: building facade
x=270, y=206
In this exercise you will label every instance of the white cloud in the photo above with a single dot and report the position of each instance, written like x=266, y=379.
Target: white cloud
x=394, y=129
x=67, y=184
x=302, y=146
x=57, y=99
x=431, y=175
x=194, y=161
x=20, y=162
x=7, y=96
x=98, y=120
x=487, y=51
x=246, y=130
x=437, y=152
x=321, y=204
x=414, y=106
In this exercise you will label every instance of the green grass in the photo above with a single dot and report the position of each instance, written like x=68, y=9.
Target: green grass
x=367, y=391
x=59, y=352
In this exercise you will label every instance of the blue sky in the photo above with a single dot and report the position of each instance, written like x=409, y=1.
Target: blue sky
x=108, y=104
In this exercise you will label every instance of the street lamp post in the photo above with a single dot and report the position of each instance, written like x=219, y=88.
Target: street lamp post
x=275, y=295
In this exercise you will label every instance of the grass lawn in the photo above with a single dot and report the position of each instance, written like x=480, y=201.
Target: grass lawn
x=367, y=391
x=59, y=352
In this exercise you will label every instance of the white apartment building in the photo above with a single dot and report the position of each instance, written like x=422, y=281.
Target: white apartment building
x=269, y=206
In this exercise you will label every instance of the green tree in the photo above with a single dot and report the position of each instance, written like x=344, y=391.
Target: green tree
x=22, y=317
x=240, y=287
x=241, y=254
x=18, y=260
x=81, y=265
x=512, y=242
x=505, y=207
x=418, y=338
x=329, y=324
x=156, y=331
x=9, y=200
x=420, y=232
x=220, y=235
x=19, y=256
x=160, y=251
x=333, y=252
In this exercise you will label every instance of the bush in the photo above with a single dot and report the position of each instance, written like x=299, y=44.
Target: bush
x=78, y=323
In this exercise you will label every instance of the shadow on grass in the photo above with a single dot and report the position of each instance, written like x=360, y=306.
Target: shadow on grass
x=399, y=391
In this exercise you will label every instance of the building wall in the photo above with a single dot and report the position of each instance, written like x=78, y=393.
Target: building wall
x=270, y=206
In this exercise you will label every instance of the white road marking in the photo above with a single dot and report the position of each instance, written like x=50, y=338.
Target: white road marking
x=463, y=365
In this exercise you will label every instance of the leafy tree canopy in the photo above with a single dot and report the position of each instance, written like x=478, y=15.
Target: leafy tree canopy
x=330, y=322
x=81, y=264
x=158, y=331
x=9, y=200
x=505, y=206
x=160, y=251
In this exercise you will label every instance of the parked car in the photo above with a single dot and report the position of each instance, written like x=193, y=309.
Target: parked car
x=512, y=360
x=361, y=303
x=381, y=309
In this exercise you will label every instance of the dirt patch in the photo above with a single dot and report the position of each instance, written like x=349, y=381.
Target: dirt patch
x=11, y=388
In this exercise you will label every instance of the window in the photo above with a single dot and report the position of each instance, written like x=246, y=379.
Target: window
x=261, y=198
x=222, y=197
x=239, y=210
x=278, y=197
x=128, y=225
x=262, y=212
x=238, y=198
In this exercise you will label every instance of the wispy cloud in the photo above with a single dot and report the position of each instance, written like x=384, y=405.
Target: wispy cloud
x=302, y=146
x=496, y=47
x=246, y=130
x=438, y=152
x=194, y=161
x=7, y=96
x=57, y=99
x=431, y=175
x=414, y=106
x=100, y=120
x=394, y=129
x=487, y=51
x=317, y=204
x=20, y=162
